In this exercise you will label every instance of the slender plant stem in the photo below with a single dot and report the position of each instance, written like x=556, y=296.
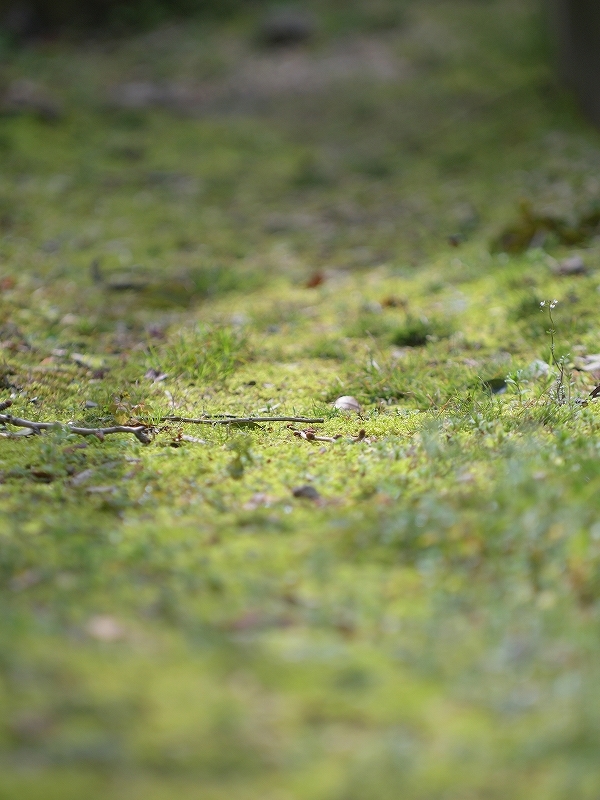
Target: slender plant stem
x=559, y=363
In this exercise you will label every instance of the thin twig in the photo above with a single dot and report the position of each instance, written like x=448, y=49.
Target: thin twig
x=240, y=420
x=311, y=436
x=213, y=416
x=139, y=431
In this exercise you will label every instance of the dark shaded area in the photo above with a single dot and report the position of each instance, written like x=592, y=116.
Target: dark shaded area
x=578, y=23
x=287, y=26
x=37, y=17
x=532, y=229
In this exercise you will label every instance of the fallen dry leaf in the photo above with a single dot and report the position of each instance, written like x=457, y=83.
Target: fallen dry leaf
x=316, y=279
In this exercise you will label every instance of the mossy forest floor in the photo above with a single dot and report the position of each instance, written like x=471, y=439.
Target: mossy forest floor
x=175, y=622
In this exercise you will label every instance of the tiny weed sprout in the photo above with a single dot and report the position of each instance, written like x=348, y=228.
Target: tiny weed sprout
x=204, y=354
x=516, y=380
x=561, y=393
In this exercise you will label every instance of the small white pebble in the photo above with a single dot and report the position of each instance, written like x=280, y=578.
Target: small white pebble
x=347, y=403
x=105, y=629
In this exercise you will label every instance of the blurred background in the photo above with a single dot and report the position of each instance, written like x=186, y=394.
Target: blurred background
x=346, y=133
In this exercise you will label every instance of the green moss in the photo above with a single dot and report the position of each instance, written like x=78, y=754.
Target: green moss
x=417, y=331
x=175, y=620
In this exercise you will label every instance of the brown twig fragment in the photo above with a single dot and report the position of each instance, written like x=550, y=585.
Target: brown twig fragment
x=240, y=420
x=310, y=436
x=141, y=432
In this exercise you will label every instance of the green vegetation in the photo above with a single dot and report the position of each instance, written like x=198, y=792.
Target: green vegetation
x=175, y=620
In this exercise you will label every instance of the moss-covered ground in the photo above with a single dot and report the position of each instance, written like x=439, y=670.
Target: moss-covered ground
x=175, y=621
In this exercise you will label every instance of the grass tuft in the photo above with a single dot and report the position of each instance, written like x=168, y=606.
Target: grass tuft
x=203, y=355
